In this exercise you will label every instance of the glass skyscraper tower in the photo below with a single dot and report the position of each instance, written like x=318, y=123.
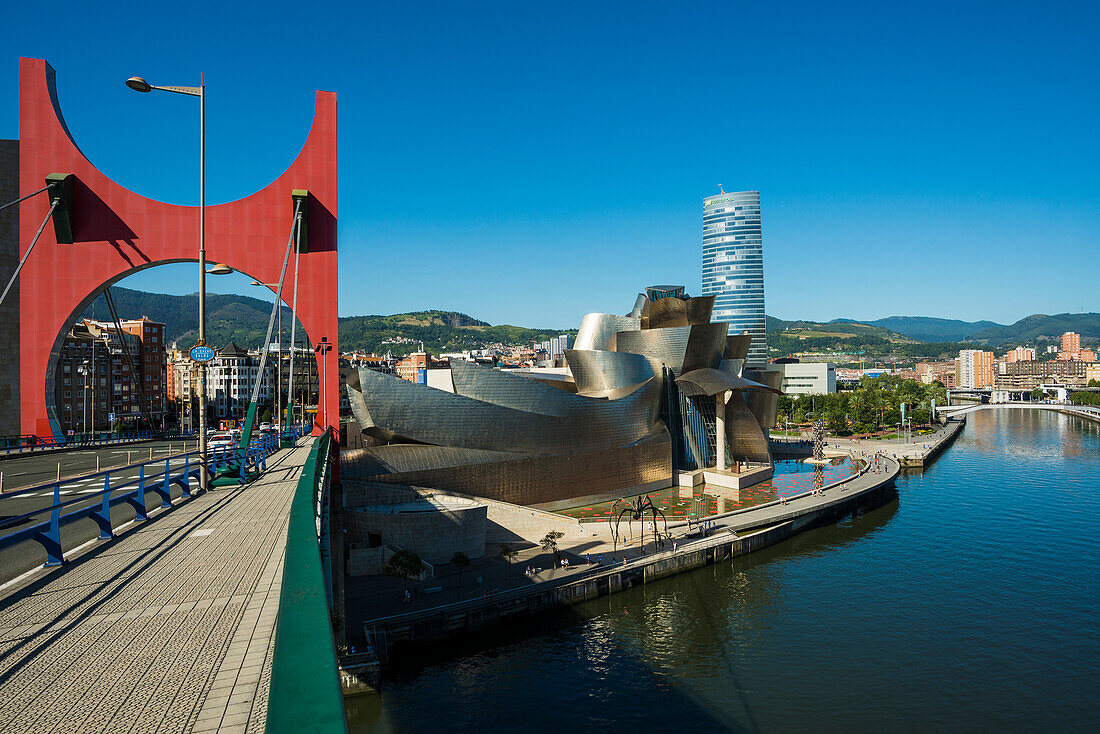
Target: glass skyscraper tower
x=733, y=265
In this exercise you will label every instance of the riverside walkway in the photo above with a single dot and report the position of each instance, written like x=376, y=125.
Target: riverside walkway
x=913, y=453
x=454, y=610
x=170, y=627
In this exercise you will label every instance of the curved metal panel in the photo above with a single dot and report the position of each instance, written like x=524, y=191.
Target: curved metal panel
x=598, y=329
x=507, y=390
x=763, y=404
x=699, y=309
x=744, y=435
x=737, y=346
x=445, y=419
x=665, y=313
x=666, y=346
x=711, y=382
x=597, y=372
x=705, y=345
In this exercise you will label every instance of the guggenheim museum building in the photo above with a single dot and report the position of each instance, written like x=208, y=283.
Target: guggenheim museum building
x=658, y=397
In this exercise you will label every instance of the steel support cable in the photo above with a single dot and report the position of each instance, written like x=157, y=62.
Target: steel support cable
x=295, y=228
x=129, y=358
x=27, y=254
x=294, y=318
x=24, y=198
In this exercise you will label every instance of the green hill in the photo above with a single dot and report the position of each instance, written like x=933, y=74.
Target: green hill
x=243, y=320
x=1041, y=325
x=927, y=328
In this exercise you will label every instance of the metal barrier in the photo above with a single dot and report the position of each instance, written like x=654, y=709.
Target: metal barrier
x=30, y=444
x=305, y=683
x=97, y=504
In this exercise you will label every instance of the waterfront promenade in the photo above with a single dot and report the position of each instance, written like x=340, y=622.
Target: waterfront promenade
x=508, y=590
x=170, y=627
x=917, y=452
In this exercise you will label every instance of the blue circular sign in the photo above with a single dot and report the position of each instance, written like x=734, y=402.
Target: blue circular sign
x=201, y=353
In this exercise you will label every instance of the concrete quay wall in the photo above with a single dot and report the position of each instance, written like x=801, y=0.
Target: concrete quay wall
x=954, y=428
x=771, y=524
x=1081, y=414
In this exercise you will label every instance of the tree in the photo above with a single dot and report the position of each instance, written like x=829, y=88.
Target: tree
x=1093, y=383
x=836, y=421
x=549, y=543
x=265, y=417
x=1085, y=398
x=1037, y=394
x=507, y=552
x=404, y=563
x=461, y=561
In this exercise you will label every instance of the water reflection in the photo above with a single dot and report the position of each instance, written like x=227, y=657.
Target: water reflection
x=957, y=608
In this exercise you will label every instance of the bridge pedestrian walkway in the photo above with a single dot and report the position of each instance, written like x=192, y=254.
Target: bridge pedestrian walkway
x=169, y=628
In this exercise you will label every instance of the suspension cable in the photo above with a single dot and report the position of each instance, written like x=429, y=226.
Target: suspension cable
x=294, y=318
x=134, y=376
x=24, y=198
x=27, y=254
x=294, y=229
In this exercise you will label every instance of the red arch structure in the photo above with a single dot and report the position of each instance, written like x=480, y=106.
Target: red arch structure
x=117, y=232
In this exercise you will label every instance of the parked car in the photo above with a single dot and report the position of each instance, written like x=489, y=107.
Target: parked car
x=220, y=441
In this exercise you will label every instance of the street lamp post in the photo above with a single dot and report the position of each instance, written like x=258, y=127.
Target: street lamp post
x=140, y=85
x=83, y=370
x=323, y=348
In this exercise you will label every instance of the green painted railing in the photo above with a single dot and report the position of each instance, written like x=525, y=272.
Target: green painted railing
x=305, y=681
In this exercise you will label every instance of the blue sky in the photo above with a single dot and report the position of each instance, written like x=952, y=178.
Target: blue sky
x=529, y=162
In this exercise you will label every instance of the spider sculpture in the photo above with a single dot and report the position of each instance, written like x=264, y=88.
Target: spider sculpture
x=636, y=509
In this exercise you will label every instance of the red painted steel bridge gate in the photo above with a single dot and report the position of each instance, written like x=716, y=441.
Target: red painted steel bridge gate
x=116, y=232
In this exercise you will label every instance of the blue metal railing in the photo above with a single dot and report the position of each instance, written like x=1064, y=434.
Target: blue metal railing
x=27, y=444
x=97, y=504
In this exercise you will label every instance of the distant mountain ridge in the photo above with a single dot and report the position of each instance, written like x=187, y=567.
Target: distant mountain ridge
x=1039, y=325
x=243, y=319
x=928, y=328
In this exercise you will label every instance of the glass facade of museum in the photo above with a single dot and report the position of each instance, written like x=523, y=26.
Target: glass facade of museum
x=733, y=265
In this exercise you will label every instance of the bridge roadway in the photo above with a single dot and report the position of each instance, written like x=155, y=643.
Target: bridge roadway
x=170, y=627
x=32, y=469
x=1085, y=411
x=28, y=471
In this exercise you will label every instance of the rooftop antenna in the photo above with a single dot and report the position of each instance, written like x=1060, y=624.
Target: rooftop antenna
x=720, y=189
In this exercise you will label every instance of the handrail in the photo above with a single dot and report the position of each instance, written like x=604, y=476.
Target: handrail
x=31, y=443
x=97, y=504
x=305, y=684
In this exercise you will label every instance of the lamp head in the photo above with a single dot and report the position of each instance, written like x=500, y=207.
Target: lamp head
x=220, y=269
x=138, y=84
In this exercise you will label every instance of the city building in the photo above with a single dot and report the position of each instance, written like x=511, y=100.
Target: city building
x=106, y=379
x=943, y=372
x=1071, y=342
x=733, y=266
x=1071, y=349
x=1021, y=354
x=231, y=378
x=975, y=369
x=1092, y=371
x=807, y=378
x=414, y=368
x=1029, y=375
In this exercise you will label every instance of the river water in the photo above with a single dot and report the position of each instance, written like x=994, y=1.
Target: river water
x=968, y=602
